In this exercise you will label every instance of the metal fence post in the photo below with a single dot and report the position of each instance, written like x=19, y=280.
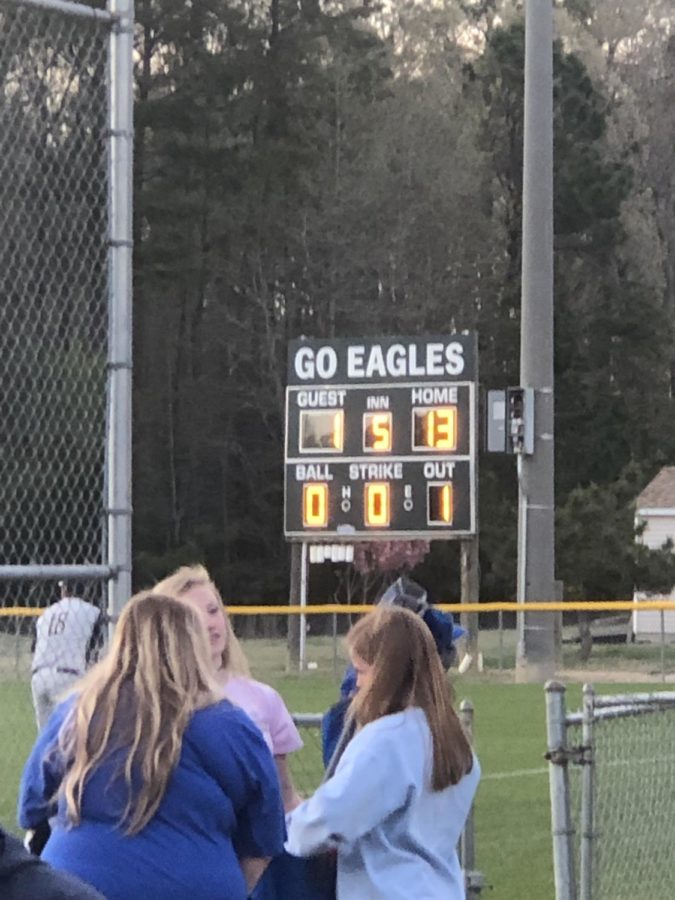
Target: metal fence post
x=587, y=796
x=335, y=653
x=561, y=821
x=467, y=850
x=500, y=616
x=118, y=432
x=663, y=644
x=474, y=880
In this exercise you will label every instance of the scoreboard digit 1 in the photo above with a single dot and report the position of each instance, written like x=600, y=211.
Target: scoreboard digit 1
x=381, y=438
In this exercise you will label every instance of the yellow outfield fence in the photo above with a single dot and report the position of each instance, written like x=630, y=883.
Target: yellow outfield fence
x=357, y=609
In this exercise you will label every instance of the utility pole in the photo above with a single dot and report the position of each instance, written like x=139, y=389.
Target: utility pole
x=536, y=531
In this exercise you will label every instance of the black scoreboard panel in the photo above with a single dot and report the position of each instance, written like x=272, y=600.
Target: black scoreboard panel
x=379, y=499
x=379, y=420
x=380, y=438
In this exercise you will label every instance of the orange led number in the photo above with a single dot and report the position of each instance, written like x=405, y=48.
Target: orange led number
x=441, y=504
x=377, y=432
x=338, y=430
x=315, y=505
x=321, y=431
x=446, y=503
x=441, y=428
x=377, y=504
x=435, y=428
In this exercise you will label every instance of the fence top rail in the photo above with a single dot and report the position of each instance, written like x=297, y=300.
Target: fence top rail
x=308, y=720
x=65, y=7
x=621, y=706
x=628, y=710
x=342, y=609
x=37, y=572
x=654, y=698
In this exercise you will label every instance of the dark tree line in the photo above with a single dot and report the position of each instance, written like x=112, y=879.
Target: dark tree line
x=334, y=169
x=339, y=169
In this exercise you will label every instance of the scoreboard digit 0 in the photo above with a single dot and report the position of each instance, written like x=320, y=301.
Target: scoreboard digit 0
x=381, y=438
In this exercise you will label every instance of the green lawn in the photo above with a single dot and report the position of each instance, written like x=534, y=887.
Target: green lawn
x=17, y=733
x=513, y=843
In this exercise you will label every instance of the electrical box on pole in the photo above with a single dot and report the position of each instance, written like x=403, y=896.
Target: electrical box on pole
x=510, y=421
x=520, y=420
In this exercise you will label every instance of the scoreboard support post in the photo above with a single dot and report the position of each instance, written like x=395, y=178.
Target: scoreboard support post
x=293, y=628
x=304, y=578
x=470, y=583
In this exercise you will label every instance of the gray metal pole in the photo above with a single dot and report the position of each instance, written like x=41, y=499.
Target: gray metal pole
x=335, y=649
x=469, y=548
x=304, y=577
x=118, y=451
x=470, y=587
x=536, y=508
x=561, y=820
x=587, y=796
x=663, y=645
x=293, y=626
x=500, y=615
x=467, y=842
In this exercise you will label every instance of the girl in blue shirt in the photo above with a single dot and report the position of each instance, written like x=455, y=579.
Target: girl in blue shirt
x=398, y=801
x=164, y=790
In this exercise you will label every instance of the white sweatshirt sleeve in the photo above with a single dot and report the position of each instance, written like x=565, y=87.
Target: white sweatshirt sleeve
x=374, y=778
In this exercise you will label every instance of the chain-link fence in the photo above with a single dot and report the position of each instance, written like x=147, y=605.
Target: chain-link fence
x=53, y=286
x=65, y=135
x=612, y=779
x=65, y=278
x=307, y=764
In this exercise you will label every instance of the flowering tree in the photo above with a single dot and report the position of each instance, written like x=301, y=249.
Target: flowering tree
x=377, y=563
x=384, y=557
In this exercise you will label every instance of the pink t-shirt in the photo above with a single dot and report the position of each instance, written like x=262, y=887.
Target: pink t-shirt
x=266, y=708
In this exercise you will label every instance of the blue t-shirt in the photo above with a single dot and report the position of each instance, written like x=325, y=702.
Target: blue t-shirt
x=222, y=803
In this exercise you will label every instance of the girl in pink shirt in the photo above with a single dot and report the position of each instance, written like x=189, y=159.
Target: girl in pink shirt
x=259, y=701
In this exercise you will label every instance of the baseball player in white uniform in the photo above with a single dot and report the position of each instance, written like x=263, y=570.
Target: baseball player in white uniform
x=67, y=636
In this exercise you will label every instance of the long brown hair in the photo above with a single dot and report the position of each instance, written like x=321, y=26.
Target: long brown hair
x=139, y=700
x=407, y=671
x=181, y=582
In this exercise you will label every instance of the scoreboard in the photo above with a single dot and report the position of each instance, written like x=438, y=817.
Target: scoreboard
x=381, y=438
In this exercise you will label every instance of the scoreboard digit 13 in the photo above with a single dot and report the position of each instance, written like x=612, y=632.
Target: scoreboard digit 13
x=381, y=438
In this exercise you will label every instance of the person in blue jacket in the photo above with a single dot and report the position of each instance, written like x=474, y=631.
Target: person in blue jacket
x=397, y=803
x=163, y=788
x=406, y=593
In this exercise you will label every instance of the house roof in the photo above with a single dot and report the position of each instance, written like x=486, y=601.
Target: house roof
x=660, y=492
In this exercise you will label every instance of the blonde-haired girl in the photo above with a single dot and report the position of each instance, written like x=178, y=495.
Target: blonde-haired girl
x=400, y=795
x=260, y=701
x=164, y=788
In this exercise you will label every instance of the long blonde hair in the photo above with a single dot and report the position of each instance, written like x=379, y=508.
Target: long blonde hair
x=407, y=671
x=180, y=583
x=139, y=701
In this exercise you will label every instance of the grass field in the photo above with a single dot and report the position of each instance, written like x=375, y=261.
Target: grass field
x=513, y=843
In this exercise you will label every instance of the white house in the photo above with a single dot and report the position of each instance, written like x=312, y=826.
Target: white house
x=655, y=509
